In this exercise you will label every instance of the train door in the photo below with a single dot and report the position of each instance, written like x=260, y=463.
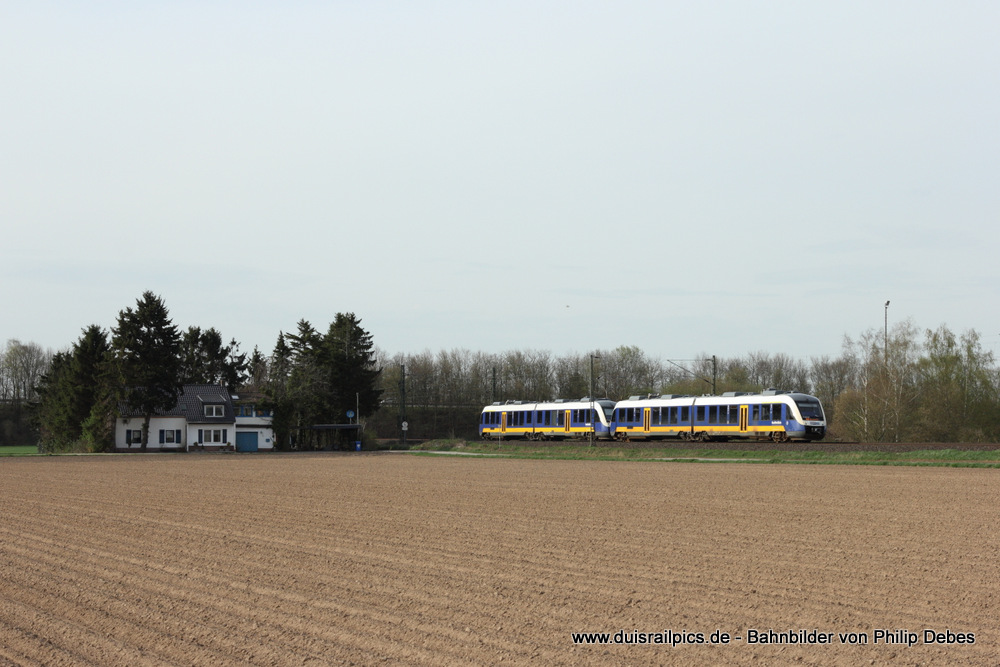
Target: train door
x=568, y=420
x=744, y=418
x=503, y=422
x=645, y=419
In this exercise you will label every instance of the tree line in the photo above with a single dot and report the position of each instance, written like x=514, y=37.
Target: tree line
x=903, y=385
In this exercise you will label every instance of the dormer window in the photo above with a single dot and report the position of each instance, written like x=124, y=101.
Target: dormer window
x=215, y=411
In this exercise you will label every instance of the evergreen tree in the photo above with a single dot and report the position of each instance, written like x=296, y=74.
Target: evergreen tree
x=317, y=379
x=52, y=411
x=74, y=395
x=257, y=369
x=146, y=347
x=349, y=354
x=205, y=360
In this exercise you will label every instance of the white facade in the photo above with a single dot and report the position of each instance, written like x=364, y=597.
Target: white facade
x=252, y=420
x=165, y=433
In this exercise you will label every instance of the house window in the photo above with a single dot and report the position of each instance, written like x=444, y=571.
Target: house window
x=213, y=435
x=215, y=411
x=133, y=436
x=168, y=437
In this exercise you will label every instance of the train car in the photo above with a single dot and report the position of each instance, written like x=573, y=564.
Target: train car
x=553, y=420
x=771, y=415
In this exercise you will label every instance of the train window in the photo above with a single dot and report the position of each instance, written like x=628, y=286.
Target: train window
x=700, y=415
x=672, y=416
x=685, y=414
x=713, y=414
x=810, y=409
x=734, y=414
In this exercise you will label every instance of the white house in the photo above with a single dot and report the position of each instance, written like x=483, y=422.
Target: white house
x=203, y=418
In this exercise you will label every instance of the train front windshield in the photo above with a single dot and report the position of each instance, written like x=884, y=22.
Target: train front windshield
x=811, y=410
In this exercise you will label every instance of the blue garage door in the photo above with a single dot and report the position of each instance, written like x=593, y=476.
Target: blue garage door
x=246, y=442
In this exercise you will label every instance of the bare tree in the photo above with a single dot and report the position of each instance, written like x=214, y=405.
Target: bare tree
x=21, y=368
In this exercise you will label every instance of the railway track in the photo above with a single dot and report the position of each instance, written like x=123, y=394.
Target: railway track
x=820, y=446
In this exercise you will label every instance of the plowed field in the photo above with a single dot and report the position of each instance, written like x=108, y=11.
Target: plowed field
x=396, y=559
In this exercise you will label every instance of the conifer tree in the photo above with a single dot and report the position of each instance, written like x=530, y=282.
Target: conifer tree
x=146, y=347
x=74, y=395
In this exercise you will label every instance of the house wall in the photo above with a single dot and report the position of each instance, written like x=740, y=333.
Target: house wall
x=156, y=424
x=265, y=434
x=197, y=437
x=251, y=419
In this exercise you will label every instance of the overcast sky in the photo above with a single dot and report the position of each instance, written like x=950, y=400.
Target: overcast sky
x=687, y=177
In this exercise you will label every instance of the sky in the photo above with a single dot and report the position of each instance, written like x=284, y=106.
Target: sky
x=691, y=178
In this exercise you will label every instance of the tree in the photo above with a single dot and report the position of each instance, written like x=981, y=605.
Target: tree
x=317, y=378
x=348, y=353
x=257, y=369
x=957, y=395
x=75, y=409
x=627, y=371
x=830, y=379
x=205, y=360
x=146, y=347
x=22, y=366
x=882, y=405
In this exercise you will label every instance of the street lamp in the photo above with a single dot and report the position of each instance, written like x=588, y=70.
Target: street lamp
x=593, y=425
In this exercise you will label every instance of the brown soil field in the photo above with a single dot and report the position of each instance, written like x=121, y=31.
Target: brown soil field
x=399, y=559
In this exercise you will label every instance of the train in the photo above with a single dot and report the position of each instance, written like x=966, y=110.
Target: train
x=779, y=416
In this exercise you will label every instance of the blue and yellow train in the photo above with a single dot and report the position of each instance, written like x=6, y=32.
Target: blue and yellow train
x=770, y=415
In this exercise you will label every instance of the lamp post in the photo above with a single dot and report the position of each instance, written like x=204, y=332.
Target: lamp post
x=885, y=339
x=593, y=415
